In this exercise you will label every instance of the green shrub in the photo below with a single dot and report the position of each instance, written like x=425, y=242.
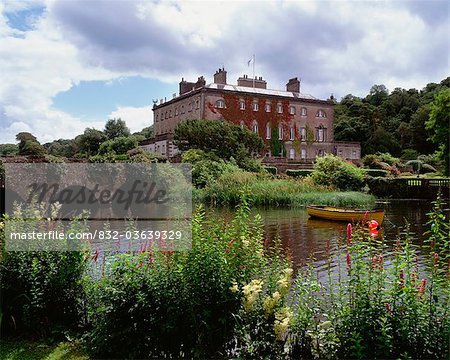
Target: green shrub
x=333, y=171
x=271, y=169
x=206, y=172
x=138, y=155
x=299, y=173
x=176, y=304
x=41, y=291
x=122, y=157
x=376, y=172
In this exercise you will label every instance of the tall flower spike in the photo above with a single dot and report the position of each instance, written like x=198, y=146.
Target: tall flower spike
x=349, y=232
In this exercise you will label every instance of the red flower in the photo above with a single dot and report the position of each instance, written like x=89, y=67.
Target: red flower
x=421, y=287
x=349, y=232
x=388, y=308
x=95, y=256
x=349, y=262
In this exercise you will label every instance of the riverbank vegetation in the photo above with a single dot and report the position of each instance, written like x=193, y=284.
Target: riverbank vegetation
x=232, y=296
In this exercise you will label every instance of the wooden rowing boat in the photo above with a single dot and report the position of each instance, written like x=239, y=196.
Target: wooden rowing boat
x=342, y=214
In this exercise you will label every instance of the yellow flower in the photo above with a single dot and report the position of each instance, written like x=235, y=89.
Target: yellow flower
x=234, y=288
x=251, y=293
x=284, y=282
x=281, y=323
x=270, y=302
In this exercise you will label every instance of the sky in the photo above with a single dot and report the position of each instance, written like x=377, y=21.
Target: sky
x=66, y=65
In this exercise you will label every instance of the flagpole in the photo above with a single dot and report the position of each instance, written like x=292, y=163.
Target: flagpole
x=253, y=70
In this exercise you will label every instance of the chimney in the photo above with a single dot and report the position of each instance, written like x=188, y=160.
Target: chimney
x=200, y=82
x=293, y=85
x=220, y=77
x=259, y=82
x=186, y=86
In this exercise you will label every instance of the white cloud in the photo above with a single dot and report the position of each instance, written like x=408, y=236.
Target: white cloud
x=136, y=118
x=338, y=46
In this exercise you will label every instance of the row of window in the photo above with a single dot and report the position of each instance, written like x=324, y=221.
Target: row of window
x=178, y=110
x=319, y=136
x=220, y=104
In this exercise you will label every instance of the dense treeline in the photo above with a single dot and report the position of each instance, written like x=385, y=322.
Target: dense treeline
x=392, y=122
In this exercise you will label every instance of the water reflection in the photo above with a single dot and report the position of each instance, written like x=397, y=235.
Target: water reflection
x=306, y=238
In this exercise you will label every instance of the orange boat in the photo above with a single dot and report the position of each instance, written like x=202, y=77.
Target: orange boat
x=342, y=214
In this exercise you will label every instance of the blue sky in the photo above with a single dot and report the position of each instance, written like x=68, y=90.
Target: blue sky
x=68, y=65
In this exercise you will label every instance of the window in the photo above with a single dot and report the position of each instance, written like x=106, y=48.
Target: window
x=190, y=106
x=242, y=124
x=220, y=104
x=279, y=109
x=320, y=134
x=255, y=128
x=165, y=115
x=292, y=110
x=303, y=154
x=280, y=132
x=241, y=105
x=170, y=113
x=321, y=114
x=255, y=106
x=268, y=108
x=176, y=111
x=303, y=134
x=197, y=104
x=182, y=109
x=292, y=133
x=303, y=111
x=292, y=154
x=156, y=120
x=268, y=131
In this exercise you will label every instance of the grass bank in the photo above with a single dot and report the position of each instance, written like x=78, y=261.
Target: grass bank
x=264, y=190
x=24, y=350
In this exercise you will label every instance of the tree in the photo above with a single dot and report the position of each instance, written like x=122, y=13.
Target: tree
x=89, y=142
x=29, y=145
x=8, y=149
x=377, y=95
x=62, y=147
x=116, y=128
x=119, y=145
x=438, y=126
x=224, y=139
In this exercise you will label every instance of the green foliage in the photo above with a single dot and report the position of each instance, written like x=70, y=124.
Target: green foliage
x=205, y=172
x=439, y=126
x=299, y=172
x=116, y=128
x=118, y=145
x=264, y=190
x=175, y=304
x=145, y=133
x=388, y=122
x=271, y=169
x=382, y=161
x=139, y=155
x=89, y=142
x=223, y=139
x=62, y=147
x=9, y=149
x=41, y=290
x=28, y=145
x=331, y=170
x=376, y=172
x=409, y=154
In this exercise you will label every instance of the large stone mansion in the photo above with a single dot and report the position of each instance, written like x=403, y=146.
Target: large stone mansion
x=292, y=124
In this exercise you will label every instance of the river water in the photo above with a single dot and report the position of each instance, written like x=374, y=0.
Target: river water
x=305, y=238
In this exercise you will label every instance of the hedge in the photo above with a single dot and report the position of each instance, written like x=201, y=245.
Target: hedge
x=376, y=172
x=298, y=173
x=271, y=169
